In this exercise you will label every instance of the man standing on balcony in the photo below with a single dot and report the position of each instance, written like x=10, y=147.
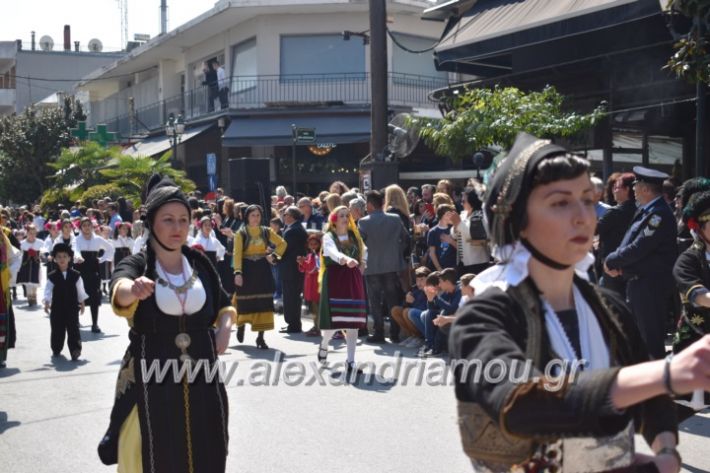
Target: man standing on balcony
x=211, y=83
x=222, y=83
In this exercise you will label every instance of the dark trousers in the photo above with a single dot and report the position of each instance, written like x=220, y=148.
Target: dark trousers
x=223, y=98
x=62, y=324
x=292, y=289
x=384, y=288
x=615, y=284
x=648, y=298
x=212, y=94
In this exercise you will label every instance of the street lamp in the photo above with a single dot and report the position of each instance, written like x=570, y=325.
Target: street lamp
x=174, y=129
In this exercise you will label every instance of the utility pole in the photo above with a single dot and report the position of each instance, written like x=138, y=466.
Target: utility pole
x=378, y=78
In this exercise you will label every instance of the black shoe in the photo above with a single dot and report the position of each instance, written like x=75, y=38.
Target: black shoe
x=290, y=330
x=376, y=339
x=75, y=355
x=95, y=329
x=261, y=344
x=322, y=354
x=56, y=354
x=353, y=372
x=395, y=339
x=362, y=332
x=240, y=334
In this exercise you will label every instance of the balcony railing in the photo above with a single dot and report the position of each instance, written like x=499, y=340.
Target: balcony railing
x=278, y=91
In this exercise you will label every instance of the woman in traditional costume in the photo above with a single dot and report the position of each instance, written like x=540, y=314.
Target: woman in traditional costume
x=342, y=293
x=178, y=313
x=254, y=291
x=535, y=317
x=29, y=270
x=9, y=259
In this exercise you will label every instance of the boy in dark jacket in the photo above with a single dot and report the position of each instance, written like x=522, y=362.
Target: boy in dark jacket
x=443, y=299
x=64, y=298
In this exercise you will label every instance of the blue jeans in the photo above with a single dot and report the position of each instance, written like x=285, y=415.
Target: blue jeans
x=415, y=315
x=430, y=330
x=276, y=273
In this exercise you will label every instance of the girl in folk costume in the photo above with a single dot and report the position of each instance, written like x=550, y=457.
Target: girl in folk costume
x=54, y=228
x=180, y=317
x=252, y=275
x=87, y=262
x=106, y=266
x=29, y=270
x=122, y=242
x=66, y=235
x=10, y=257
x=588, y=383
x=140, y=234
x=342, y=293
x=310, y=266
x=19, y=236
x=692, y=275
x=208, y=243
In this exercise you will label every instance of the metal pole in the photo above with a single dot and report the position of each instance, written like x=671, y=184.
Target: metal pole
x=378, y=78
x=293, y=159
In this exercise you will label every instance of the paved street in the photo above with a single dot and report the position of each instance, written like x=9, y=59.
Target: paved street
x=52, y=414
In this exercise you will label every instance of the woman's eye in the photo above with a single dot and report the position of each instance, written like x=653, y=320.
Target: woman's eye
x=560, y=203
x=588, y=202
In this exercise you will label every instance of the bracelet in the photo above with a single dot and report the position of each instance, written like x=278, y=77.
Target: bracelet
x=667, y=376
x=671, y=451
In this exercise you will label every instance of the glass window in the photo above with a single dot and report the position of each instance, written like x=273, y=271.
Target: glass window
x=406, y=63
x=321, y=54
x=244, y=65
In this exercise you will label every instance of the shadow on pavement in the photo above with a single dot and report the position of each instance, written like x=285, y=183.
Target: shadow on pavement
x=89, y=336
x=61, y=363
x=5, y=424
x=7, y=372
x=696, y=425
x=250, y=351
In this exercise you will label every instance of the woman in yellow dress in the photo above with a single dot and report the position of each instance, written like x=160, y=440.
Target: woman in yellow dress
x=252, y=274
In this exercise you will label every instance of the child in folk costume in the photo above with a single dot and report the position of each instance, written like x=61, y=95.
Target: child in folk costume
x=342, y=293
x=87, y=261
x=29, y=270
x=208, y=243
x=106, y=266
x=19, y=236
x=53, y=228
x=122, y=242
x=66, y=235
x=140, y=236
x=310, y=265
x=64, y=298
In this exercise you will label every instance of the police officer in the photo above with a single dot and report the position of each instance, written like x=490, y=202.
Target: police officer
x=646, y=257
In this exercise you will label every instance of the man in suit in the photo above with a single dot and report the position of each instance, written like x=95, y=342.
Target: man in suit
x=385, y=238
x=645, y=258
x=292, y=279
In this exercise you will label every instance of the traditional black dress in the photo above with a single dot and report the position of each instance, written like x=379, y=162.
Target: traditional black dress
x=29, y=269
x=164, y=409
x=90, y=269
x=123, y=246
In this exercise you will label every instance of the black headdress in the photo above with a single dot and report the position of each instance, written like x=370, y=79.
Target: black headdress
x=158, y=192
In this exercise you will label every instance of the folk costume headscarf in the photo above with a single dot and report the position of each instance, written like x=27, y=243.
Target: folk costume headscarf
x=158, y=192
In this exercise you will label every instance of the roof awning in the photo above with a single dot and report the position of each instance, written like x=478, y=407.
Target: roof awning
x=492, y=30
x=160, y=144
x=276, y=131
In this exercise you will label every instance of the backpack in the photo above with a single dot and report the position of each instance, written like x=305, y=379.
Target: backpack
x=477, y=230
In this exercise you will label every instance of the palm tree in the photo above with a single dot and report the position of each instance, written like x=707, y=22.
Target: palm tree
x=132, y=172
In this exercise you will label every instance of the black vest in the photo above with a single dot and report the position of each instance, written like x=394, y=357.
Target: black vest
x=64, y=294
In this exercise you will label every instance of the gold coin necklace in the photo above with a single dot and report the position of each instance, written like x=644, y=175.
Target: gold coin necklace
x=182, y=339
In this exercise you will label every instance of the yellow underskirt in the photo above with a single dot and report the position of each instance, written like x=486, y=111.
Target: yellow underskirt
x=259, y=321
x=130, y=453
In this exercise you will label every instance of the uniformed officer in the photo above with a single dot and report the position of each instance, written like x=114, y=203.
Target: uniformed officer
x=646, y=257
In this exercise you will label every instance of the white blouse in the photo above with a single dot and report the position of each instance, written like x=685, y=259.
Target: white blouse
x=331, y=251
x=168, y=300
x=209, y=244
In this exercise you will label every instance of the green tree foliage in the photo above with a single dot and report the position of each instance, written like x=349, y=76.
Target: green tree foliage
x=79, y=167
x=691, y=59
x=131, y=173
x=486, y=117
x=28, y=143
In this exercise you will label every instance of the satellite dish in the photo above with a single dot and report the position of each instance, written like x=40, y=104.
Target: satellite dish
x=403, y=136
x=96, y=46
x=46, y=43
